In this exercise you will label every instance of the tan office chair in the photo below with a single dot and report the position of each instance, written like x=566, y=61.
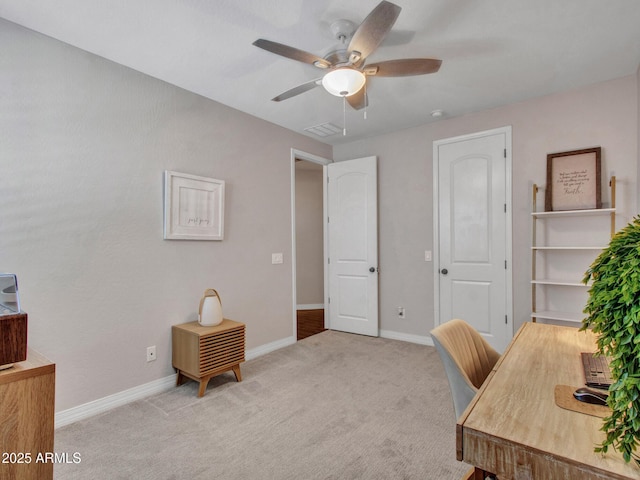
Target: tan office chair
x=467, y=358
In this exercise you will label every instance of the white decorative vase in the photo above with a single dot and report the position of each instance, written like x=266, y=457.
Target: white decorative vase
x=210, y=311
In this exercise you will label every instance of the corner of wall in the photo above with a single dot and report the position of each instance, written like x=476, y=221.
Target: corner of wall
x=638, y=136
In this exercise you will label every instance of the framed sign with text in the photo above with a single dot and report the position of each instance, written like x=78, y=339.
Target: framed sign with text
x=193, y=207
x=573, y=180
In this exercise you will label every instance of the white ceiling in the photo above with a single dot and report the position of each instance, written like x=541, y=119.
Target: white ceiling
x=494, y=52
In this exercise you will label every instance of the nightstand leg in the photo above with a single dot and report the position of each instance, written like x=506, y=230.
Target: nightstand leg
x=180, y=379
x=203, y=386
x=236, y=371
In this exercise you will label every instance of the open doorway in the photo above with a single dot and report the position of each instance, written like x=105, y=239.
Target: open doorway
x=308, y=244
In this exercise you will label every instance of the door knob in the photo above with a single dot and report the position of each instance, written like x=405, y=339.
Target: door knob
x=372, y=269
x=444, y=271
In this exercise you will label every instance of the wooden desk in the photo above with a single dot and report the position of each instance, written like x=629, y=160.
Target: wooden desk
x=27, y=397
x=513, y=426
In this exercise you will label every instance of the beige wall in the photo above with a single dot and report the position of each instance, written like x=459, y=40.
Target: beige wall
x=83, y=148
x=85, y=142
x=309, y=234
x=605, y=114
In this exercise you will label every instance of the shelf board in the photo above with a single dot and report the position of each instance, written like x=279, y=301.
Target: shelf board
x=569, y=248
x=574, y=213
x=547, y=281
x=564, y=316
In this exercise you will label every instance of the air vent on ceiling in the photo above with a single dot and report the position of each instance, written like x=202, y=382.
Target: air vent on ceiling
x=324, y=130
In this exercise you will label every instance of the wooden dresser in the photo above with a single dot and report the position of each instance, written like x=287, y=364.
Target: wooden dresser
x=200, y=353
x=27, y=412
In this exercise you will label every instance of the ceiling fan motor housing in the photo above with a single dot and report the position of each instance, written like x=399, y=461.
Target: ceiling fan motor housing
x=342, y=29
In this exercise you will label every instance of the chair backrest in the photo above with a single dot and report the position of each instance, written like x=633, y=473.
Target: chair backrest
x=467, y=357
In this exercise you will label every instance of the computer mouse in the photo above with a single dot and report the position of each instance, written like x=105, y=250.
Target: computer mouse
x=588, y=395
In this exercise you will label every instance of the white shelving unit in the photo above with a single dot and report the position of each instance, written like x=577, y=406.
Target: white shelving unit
x=560, y=256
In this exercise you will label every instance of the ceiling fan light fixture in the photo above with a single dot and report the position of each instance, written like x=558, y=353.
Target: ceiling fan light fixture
x=343, y=82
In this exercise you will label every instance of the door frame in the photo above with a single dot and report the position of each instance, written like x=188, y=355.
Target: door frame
x=309, y=157
x=508, y=220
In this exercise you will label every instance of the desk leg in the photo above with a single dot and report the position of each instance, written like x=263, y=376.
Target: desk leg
x=477, y=474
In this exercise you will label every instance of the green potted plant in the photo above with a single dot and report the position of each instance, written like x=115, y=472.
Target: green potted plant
x=613, y=313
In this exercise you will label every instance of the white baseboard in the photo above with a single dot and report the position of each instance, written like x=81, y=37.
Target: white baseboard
x=101, y=405
x=407, y=337
x=269, y=347
x=86, y=410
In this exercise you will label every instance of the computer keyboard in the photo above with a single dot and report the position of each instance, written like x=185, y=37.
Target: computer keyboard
x=596, y=370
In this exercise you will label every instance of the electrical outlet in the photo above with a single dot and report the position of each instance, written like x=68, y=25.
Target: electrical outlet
x=401, y=312
x=151, y=353
x=276, y=258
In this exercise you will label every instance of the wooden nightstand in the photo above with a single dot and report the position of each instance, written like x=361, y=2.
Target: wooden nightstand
x=200, y=353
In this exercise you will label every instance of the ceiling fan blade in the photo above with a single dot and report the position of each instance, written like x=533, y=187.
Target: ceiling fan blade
x=403, y=67
x=290, y=52
x=372, y=30
x=358, y=100
x=305, y=87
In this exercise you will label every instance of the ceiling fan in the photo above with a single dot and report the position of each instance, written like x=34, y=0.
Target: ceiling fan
x=346, y=69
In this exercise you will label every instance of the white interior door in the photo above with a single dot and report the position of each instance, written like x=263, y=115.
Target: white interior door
x=352, y=226
x=473, y=268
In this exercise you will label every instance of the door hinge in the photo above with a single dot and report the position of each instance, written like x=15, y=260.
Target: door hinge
x=505, y=153
x=505, y=320
x=327, y=219
x=328, y=259
x=505, y=208
x=505, y=264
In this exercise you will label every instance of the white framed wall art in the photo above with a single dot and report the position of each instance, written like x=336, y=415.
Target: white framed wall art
x=193, y=207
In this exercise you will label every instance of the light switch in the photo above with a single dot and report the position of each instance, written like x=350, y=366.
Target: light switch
x=276, y=258
x=427, y=255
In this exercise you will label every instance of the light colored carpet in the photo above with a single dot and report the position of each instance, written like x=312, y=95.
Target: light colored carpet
x=332, y=406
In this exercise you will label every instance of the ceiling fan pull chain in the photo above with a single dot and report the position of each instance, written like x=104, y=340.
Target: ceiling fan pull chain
x=344, y=116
